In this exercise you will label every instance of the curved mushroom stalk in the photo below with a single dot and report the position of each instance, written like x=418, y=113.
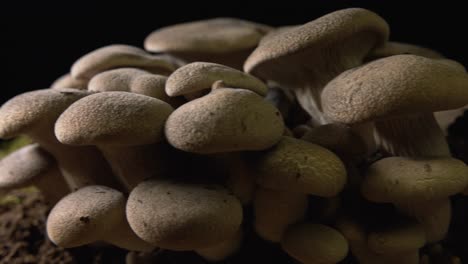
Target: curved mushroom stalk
x=222, y=250
x=34, y=114
x=93, y=213
x=124, y=126
x=31, y=165
x=307, y=57
x=179, y=216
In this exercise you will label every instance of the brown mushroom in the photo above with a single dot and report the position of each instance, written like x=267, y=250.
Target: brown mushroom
x=67, y=81
x=392, y=48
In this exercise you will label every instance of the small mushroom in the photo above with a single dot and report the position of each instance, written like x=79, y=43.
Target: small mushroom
x=392, y=48
x=34, y=114
x=299, y=166
x=199, y=76
x=93, y=213
x=118, y=56
x=225, y=120
x=314, y=243
x=227, y=41
x=396, y=239
x=305, y=58
x=275, y=211
x=67, y=81
x=222, y=250
x=31, y=165
x=180, y=216
x=124, y=126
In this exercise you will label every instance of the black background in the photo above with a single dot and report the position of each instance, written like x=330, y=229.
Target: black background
x=39, y=43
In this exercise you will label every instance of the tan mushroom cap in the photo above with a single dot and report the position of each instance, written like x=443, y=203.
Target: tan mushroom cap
x=225, y=120
x=393, y=86
x=198, y=76
x=117, y=56
x=34, y=109
x=282, y=54
x=180, y=216
x=115, y=118
x=403, y=180
x=67, y=81
x=299, y=166
x=93, y=213
x=392, y=48
x=213, y=36
x=397, y=239
x=315, y=243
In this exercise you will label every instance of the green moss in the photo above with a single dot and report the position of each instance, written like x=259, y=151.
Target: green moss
x=8, y=146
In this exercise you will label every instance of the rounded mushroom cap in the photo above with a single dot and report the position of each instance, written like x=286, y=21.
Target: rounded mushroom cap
x=198, y=76
x=225, y=120
x=217, y=36
x=182, y=216
x=403, y=180
x=23, y=166
x=397, y=239
x=114, y=118
x=315, y=243
x=26, y=111
x=294, y=45
x=392, y=48
x=394, y=86
x=297, y=165
x=67, y=81
x=85, y=216
x=117, y=56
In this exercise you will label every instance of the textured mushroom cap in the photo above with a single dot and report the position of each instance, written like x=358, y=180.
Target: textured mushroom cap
x=216, y=36
x=114, y=118
x=396, y=48
x=67, y=81
x=198, y=76
x=393, y=86
x=403, y=180
x=85, y=216
x=299, y=166
x=26, y=111
x=292, y=46
x=315, y=243
x=23, y=166
x=117, y=56
x=225, y=120
x=397, y=239
x=182, y=216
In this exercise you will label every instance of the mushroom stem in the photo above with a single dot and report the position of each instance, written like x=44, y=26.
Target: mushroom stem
x=60, y=187
x=417, y=135
x=222, y=250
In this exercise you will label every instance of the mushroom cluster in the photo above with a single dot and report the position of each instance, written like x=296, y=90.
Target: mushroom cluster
x=324, y=131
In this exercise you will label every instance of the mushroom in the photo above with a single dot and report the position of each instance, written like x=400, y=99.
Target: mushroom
x=275, y=211
x=31, y=165
x=124, y=126
x=314, y=243
x=222, y=250
x=295, y=165
x=34, y=114
x=181, y=216
x=225, y=120
x=392, y=48
x=67, y=81
x=227, y=41
x=93, y=213
x=305, y=58
x=397, y=239
x=199, y=76
x=135, y=81
x=446, y=118
x=118, y=56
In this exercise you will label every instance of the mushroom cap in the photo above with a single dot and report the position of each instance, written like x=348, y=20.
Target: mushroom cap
x=113, y=118
x=201, y=75
x=117, y=56
x=315, y=243
x=85, y=216
x=397, y=239
x=67, y=81
x=392, y=48
x=404, y=180
x=24, y=166
x=26, y=111
x=181, y=216
x=280, y=56
x=299, y=166
x=214, y=36
x=225, y=120
x=395, y=86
